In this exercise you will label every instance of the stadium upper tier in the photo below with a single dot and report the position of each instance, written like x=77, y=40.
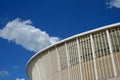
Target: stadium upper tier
x=91, y=55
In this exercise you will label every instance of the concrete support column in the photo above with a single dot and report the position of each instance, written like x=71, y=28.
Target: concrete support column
x=93, y=52
x=39, y=72
x=39, y=65
x=50, y=64
x=111, y=52
x=58, y=60
x=68, y=60
x=78, y=48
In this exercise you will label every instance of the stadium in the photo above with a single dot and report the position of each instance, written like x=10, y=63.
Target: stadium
x=91, y=55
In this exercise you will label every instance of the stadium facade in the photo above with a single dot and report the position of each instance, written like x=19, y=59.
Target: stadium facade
x=92, y=55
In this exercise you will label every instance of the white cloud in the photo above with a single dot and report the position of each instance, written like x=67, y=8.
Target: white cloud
x=26, y=35
x=4, y=73
x=20, y=79
x=114, y=3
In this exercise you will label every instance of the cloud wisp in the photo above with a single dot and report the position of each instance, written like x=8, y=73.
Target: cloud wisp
x=25, y=34
x=4, y=73
x=114, y=3
x=20, y=79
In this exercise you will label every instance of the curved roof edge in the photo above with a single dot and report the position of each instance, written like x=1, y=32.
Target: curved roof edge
x=80, y=34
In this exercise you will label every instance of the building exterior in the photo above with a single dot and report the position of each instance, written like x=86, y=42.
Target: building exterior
x=92, y=55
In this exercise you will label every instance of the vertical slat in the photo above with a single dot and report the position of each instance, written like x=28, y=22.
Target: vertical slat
x=51, y=70
x=68, y=60
x=58, y=59
x=79, y=54
x=92, y=45
x=111, y=52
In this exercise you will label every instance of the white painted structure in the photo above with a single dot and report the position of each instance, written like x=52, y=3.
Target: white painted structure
x=92, y=55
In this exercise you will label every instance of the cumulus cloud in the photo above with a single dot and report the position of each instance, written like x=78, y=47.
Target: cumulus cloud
x=25, y=34
x=114, y=3
x=20, y=79
x=4, y=73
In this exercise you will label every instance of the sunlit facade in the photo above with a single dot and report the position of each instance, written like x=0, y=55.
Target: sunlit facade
x=92, y=55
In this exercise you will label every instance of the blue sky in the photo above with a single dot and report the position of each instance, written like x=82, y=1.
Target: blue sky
x=26, y=26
